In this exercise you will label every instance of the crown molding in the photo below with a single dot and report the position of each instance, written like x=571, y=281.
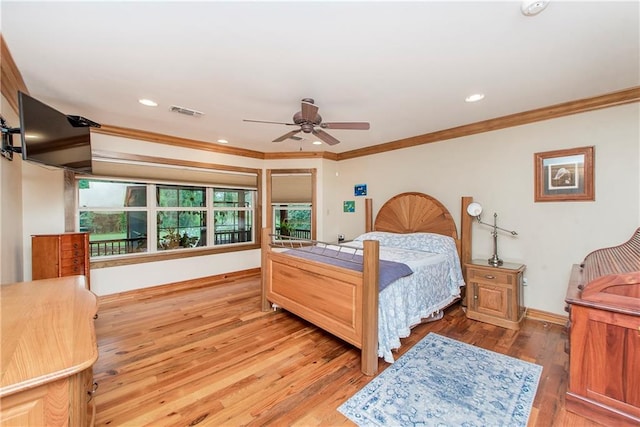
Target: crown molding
x=10, y=76
x=559, y=110
x=175, y=141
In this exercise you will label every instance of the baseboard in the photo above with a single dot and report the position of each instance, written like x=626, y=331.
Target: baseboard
x=123, y=297
x=545, y=316
x=137, y=294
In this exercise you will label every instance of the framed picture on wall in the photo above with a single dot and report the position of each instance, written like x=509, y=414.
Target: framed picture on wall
x=564, y=175
x=349, y=206
x=360, y=190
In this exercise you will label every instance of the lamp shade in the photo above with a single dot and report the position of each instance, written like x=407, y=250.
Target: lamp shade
x=474, y=209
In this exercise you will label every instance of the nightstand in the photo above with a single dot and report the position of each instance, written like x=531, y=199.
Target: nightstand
x=494, y=294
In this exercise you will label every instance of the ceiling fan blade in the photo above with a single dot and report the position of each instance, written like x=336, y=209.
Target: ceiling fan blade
x=346, y=125
x=309, y=111
x=266, y=121
x=325, y=137
x=287, y=135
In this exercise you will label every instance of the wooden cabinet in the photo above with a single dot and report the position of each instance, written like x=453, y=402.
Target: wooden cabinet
x=494, y=294
x=604, y=348
x=48, y=350
x=60, y=255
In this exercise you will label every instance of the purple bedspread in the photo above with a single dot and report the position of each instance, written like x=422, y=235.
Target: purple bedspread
x=388, y=273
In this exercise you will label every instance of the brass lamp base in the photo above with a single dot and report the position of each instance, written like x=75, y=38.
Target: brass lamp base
x=495, y=261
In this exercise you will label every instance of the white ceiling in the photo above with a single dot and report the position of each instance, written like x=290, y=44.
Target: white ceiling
x=405, y=67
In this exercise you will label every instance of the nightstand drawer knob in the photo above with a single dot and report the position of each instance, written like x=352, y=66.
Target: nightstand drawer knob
x=489, y=276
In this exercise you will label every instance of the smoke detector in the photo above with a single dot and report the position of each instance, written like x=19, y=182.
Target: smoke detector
x=533, y=7
x=185, y=111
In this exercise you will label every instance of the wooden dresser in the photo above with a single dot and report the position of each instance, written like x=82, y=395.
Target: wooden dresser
x=60, y=255
x=47, y=353
x=603, y=301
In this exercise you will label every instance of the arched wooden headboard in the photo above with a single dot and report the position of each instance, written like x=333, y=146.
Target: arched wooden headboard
x=415, y=212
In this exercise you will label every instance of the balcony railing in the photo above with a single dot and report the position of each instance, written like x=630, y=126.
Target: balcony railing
x=297, y=233
x=117, y=246
x=139, y=244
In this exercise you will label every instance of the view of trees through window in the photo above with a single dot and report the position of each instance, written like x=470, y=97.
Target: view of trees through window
x=122, y=219
x=293, y=220
x=185, y=227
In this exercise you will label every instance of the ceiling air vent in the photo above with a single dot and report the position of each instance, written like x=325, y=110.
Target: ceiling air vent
x=185, y=111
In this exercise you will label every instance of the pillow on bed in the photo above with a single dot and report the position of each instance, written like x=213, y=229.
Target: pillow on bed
x=426, y=242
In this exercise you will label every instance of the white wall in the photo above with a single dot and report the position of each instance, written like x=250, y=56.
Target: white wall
x=496, y=168
x=10, y=208
x=42, y=205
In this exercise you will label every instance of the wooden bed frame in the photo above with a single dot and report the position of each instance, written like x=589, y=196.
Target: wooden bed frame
x=345, y=302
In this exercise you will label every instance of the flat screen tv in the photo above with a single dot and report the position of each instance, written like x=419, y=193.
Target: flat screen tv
x=52, y=138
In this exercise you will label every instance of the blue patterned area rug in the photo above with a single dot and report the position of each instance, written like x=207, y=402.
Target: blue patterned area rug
x=444, y=382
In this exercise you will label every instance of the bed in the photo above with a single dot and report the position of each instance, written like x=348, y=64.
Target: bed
x=413, y=229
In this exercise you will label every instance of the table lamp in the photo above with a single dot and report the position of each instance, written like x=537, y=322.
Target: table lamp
x=475, y=210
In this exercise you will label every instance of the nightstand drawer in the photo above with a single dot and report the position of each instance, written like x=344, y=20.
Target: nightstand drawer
x=491, y=277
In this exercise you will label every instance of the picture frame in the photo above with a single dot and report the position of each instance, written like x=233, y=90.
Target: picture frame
x=564, y=175
x=349, y=206
x=360, y=190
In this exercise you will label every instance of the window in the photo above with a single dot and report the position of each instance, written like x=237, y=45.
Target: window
x=291, y=196
x=293, y=220
x=126, y=218
x=181, y=218
x=233, y=215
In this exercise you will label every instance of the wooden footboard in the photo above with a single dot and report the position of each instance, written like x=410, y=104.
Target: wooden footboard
x=341, y=301
x=345, y=302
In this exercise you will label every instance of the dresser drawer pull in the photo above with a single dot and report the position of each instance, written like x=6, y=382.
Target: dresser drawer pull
x=489, y=276
x=91, y=392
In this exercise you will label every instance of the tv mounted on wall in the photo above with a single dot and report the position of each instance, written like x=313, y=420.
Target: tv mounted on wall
x=52, y=138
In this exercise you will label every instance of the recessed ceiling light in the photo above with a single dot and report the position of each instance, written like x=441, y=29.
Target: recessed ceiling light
x=148, y=102
x=475, y=97
x=317, y=142
x=533, y=7
x=223, y=141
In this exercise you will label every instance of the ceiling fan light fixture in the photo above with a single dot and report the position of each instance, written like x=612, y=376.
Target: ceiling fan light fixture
x=307, y=119
x=317, y=142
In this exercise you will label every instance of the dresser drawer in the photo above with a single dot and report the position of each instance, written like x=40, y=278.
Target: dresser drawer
x=72, y=261
x=72, y=253
x=75, y=242
x=72, y=270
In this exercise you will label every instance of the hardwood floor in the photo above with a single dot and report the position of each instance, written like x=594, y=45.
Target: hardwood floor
x=210, y=357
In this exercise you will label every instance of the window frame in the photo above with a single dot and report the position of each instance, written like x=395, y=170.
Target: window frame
x=270, y=219
x=72, y=217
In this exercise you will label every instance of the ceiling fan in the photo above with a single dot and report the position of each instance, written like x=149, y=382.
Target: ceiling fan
x=308, y=119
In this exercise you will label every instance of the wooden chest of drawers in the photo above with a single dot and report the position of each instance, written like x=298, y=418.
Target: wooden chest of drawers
x=60, y=255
